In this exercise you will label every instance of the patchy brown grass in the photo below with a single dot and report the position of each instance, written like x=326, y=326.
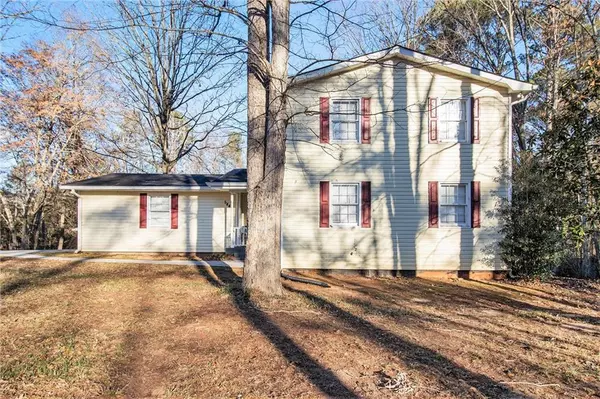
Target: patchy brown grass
x=91, y=329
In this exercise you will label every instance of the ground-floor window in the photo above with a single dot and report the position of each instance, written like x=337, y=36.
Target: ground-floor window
x=345, y=204
x=454, y=204
x=160, y=211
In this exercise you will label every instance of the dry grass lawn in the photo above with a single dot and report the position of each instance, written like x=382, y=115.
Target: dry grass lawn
x=140, y=255
x=74, y=330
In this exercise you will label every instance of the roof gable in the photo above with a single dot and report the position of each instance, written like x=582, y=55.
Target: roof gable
x=419, y=58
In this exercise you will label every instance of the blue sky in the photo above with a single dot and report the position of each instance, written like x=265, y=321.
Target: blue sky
x=25, y=33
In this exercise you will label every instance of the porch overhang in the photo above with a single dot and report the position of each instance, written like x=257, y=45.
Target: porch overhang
x=235, y=187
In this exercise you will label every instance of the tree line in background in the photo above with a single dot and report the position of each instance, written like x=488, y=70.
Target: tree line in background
x=167, y=120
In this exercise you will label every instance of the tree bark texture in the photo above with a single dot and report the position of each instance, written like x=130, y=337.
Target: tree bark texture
x=267, y=122
x=61, y=231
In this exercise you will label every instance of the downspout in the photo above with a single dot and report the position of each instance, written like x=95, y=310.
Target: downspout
x=79, y=229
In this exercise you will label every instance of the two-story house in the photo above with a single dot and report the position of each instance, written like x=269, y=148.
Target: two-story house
x=393, y=163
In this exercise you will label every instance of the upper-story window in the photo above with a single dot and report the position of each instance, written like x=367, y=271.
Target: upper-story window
x=345, y=120
x=453, y=120
x=454, y=204
x=160, y=211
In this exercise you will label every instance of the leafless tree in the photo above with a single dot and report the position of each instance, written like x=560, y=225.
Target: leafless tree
x=178, y=76
x=11, y=11
x=385, y=24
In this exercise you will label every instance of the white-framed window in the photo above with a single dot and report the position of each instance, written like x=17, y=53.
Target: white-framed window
x=453, y=124
x=159, y=210
x=345, y=120
x=454, y=204
x=345, y=204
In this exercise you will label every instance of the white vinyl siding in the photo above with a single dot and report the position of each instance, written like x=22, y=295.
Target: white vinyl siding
x=110, y=221
x=399, y=163
x=159, y=211
x=345, y=120
x=454, y=208
x=453, y=123
x=344, y=204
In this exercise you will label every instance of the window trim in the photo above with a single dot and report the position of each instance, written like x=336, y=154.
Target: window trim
x=469, y=124
x=467, y=223
x=359, y=128
x=359, y=205
x=149, y=212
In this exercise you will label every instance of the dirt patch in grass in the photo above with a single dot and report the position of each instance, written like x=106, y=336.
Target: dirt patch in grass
x=71, y=329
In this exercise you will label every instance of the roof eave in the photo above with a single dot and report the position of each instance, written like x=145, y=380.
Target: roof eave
x=209, y=187
x=135, y=188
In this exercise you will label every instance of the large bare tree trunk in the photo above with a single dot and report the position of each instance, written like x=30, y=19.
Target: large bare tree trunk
x=11, y=223
x=61, y=229
x=24, y=234
x=267, y=120
x=37, y=224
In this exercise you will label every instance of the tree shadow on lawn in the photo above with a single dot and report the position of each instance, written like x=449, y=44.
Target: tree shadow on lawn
x=450, y=375
x=35, y=277
x=545, y=296
x=495, y=333
x=448, y=294
x=322, y=378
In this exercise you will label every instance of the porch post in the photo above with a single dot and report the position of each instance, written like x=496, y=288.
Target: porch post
x=238, y=209
x=79, y=223
x=232, y=220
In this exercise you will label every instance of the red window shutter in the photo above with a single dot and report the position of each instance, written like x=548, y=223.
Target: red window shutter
x=366, y=120
x=324, y=116
x=324, y=204
x=475, y=205
x=174, y=211
x=143, y=210
x=475, y=120
x=433, y=120
x=433, y=204
x=365, y=203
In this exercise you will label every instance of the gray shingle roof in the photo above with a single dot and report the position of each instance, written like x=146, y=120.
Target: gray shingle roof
x=159, y=180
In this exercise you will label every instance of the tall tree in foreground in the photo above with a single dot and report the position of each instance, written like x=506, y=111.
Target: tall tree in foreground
x=268, y=53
